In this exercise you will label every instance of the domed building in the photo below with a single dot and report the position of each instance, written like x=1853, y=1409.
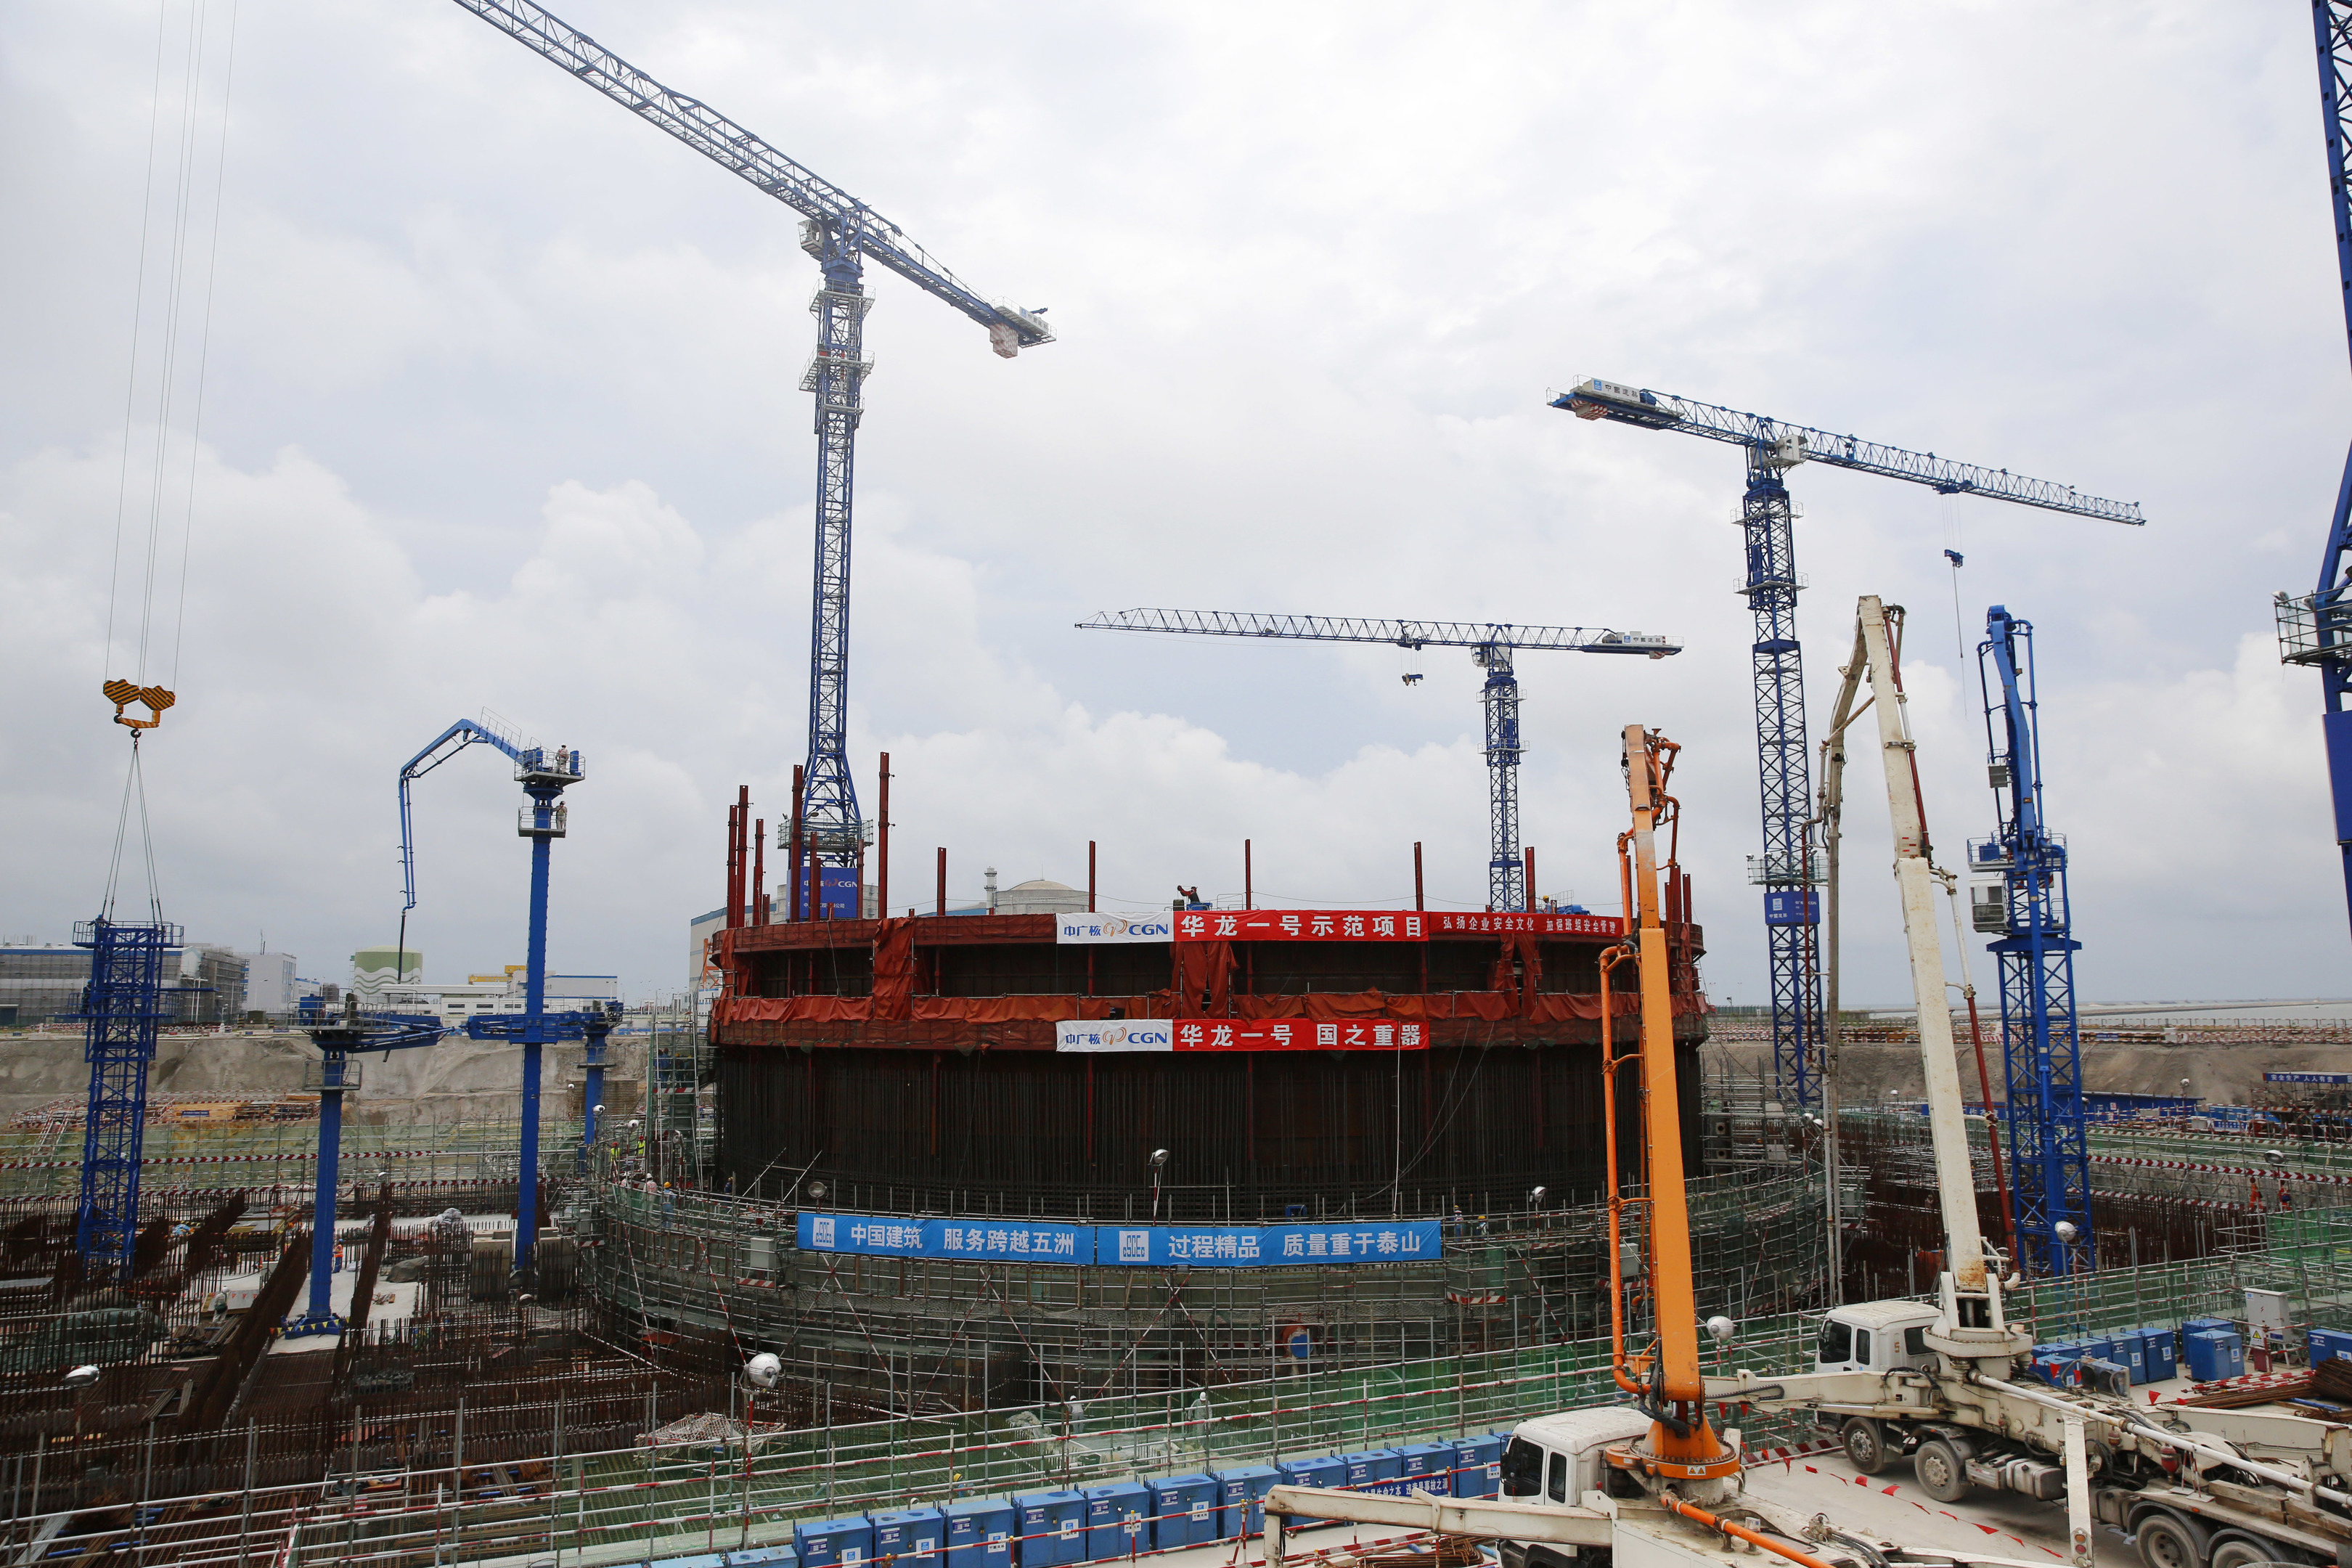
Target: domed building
x=1040, y=897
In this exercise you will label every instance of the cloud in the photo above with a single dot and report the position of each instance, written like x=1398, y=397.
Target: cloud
x=501, y=410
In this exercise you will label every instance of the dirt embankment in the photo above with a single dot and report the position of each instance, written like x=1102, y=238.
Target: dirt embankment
x=456, y=1078
x=2220, y=1074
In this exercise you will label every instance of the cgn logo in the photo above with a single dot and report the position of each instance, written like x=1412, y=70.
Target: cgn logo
x=1083, y=928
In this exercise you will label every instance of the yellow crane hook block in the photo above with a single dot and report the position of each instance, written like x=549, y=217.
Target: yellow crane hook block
x=122, y=693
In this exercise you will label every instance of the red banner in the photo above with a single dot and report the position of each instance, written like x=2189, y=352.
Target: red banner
x=1302, y=925
x=1534, y=924
x=1302, y=1034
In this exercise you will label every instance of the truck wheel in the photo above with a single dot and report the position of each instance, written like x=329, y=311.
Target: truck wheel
x=2165, y=1542
x=1865, y=1445
x=2235, y=1551
x=1944, y=1475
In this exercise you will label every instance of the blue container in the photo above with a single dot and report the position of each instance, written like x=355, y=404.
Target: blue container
x=1183, y=1511
x=1327, y=1473
x=700, y=1560
x=910, y=1537
x=979, y=1534
x=2206, y=1325
x=1376, y=1470
x=2055, y=1370
x=1118, y=1521
x=2102, y=1348
x=1241, y=1497
x=2131, y=1354
x=1053, y=1529
x=1428, y=1467
x=2214, y=1357
x=1478, y=1466
x=835, y=1543
x=763, y=1557
x=2327, y=1344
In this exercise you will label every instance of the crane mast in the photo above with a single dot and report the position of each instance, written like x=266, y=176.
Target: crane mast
x=840, y=232
x=1789, y=869
x=2316, y=630
x=1491, y=645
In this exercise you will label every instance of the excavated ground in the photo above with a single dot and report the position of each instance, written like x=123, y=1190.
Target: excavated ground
x=452, y=1080
x=2216, y=1074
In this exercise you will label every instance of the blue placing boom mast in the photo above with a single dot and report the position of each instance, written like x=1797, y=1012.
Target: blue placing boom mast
x=2042, y=1054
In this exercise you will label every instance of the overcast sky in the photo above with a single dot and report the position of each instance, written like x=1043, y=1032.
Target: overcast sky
x=501, y=410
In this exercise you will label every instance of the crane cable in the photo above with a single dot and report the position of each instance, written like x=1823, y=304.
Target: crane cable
x=122, y=692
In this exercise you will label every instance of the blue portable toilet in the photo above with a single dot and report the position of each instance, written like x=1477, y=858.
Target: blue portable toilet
x=2214, y=1357
x=1478, y=1466
x=1427, y=1465
x=910, y=1537
x=1053, y=1529
x=1241, y=1496
x=1327, y=1473
x=2327, y=1344
x=1183, y=1511
x=835, y=1543
x=1118, y=1521
x=979, y=1534
x=763, y=1557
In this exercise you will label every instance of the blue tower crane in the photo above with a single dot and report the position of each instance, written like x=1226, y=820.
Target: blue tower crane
x=1491, y=645
x=544, y=776
x=1787, y=870
x=2041, y=1055
x=339, y=1040
x=840, y=232
x=2316, y=629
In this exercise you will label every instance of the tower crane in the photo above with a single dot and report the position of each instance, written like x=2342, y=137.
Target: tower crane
x=1491, y=645
x=840, y=232
x=1787, y=870
x=2041, y=1055
x=2316, y=630
x=544, y=776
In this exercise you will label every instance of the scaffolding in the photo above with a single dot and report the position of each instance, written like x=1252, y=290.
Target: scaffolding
x=909, y=1336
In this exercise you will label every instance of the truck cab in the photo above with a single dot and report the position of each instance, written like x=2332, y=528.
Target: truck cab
x=1875, y=1336
x=1559, y=1458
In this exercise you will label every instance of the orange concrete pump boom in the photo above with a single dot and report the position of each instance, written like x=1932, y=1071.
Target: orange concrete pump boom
x=1681, y=1447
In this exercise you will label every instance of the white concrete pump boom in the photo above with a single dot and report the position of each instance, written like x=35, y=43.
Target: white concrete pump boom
x=1971, y=1326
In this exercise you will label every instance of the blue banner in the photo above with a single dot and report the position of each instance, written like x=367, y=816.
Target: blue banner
x=988, y=1240
x=983, y=1240
x=1268, y=1246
